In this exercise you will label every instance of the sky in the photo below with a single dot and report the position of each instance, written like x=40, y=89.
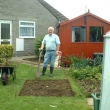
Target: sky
x=74, y=8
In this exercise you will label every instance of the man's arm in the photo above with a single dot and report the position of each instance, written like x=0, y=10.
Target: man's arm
x=42, y=46
x=58, y=47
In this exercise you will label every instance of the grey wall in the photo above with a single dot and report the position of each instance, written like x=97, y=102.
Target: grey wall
x=26, y=10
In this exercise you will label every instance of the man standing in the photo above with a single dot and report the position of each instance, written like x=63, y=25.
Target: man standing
x=52, y=43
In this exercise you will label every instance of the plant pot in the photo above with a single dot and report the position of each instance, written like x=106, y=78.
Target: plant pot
x=96, y=100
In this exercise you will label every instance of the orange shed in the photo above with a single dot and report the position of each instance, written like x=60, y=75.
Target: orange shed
x=83, y=34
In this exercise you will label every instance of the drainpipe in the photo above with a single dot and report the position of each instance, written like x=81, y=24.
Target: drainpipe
x=57, y=27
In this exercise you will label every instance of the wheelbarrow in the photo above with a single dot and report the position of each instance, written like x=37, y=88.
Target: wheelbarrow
x=6, y=72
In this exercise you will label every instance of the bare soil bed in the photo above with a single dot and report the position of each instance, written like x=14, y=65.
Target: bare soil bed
x=47, y=88
x=90, y=86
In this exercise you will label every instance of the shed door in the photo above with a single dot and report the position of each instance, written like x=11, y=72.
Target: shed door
x=5, y=32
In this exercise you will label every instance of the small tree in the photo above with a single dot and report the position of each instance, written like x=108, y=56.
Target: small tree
x=6, y=53
x=38, y=43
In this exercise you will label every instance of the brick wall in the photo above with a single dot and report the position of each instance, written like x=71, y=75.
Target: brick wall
x=26, y=10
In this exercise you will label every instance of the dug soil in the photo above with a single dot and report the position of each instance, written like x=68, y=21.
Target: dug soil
x=47, y=88
x=90, y=86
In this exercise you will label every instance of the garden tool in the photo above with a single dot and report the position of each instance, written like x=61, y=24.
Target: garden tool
x=38, y=72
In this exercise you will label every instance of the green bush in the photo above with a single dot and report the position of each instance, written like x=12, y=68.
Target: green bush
x=38, y=43
x=78, y=62
x=66, y=60
x=80, y=68
x=6, y=53
x=88, y=72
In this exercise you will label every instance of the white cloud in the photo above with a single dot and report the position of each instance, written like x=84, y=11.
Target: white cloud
x=74, y=8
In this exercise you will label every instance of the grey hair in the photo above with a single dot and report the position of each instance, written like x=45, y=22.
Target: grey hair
x=51, y=28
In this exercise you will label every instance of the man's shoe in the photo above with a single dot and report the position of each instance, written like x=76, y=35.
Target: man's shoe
x=51, y=75
x=43, y=71
x=42, y=74
x=51, y=71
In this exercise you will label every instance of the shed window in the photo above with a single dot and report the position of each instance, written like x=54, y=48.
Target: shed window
x=79, y=34
x=26, y=29
x=96, y=34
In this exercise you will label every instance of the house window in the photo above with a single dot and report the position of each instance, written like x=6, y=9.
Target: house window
x=78, y=34
x=26, y=29
x=96, y=34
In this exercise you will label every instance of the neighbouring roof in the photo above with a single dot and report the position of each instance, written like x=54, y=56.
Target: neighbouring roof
x=86, y=14
x=53, y=11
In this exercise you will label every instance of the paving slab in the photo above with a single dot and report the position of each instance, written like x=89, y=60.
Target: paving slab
x=90, y=102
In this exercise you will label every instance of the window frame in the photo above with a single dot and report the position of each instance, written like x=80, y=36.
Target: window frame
x=83, y=38
x=100, y=34
x=27, y=26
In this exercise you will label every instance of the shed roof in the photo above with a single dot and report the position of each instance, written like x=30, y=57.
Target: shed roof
x=86, y=14
x=53, y=11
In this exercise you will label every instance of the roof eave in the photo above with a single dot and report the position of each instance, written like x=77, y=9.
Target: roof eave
x=85, y=14
x=53, y=11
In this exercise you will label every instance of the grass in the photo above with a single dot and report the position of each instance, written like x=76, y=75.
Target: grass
x=10, y=99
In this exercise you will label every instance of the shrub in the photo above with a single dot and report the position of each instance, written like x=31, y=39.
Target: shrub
x=80, y=68
x=74, y=61
x=66, y=61
x=38, y=43
x=6, y=53
x=78, y=62
x=88, y=72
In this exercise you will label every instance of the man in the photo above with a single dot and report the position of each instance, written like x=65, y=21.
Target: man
x=52, y=43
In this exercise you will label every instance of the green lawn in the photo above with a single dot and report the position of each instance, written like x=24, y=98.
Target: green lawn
x=10, y=100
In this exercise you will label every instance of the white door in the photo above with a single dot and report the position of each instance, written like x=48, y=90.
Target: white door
x=5, y=32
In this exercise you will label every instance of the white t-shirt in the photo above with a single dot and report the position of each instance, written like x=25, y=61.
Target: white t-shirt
x=51, y=42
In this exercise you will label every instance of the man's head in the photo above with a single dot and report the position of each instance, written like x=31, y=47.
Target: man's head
x=50, y=30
